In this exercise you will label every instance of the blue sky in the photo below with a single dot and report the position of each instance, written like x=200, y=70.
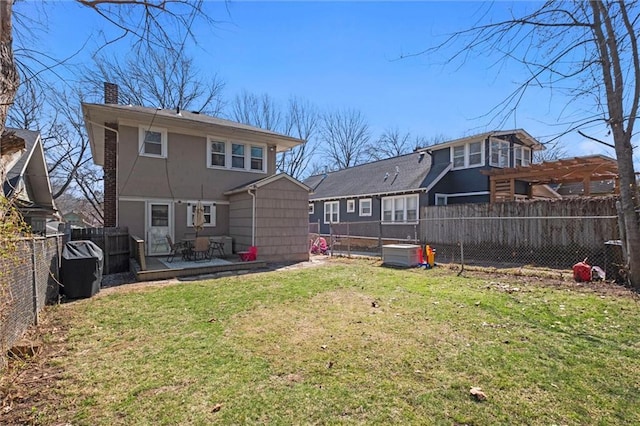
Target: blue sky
x=346, y=55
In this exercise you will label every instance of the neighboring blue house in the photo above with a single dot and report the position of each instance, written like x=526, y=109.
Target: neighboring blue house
x=394, y=189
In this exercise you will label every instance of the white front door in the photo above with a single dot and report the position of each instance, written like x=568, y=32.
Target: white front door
x=159, y=225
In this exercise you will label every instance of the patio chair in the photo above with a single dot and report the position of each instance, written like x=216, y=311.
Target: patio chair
x=249, y=255
x=201, y=248
x=175, y=248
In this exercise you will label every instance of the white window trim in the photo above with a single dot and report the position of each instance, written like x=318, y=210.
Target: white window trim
x=192, y=204
x=405, y=221
x=459, y=195
x=500, y=143
x=351, y=206
x=440, y=196
x=467, y=153
x=331, y=203
x=365, y=200
x=312, y=208
x=228, y=155
x=163, y=141
x=525, y=160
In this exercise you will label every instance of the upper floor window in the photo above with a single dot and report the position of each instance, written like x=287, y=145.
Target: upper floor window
x=351, y=206
x=217, y=155
x=400, y=209
x=499, y=153
x=237, y=156
x=467, y=155
x=332, y=212
x=209, y=214
x=476, y=154
x=522, y=156
x=152, y=142
x=311, y=208
x=365, y=207
x=257, y=158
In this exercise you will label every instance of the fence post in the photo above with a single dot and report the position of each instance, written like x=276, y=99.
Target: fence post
x=34, y=279
x=106, y=252
x=348, y=241
x=380, y=237
x=331, y=238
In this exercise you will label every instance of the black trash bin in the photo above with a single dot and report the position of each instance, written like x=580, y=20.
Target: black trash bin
x=614, y=267
x=81, y=270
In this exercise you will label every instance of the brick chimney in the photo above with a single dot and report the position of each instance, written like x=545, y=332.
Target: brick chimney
x=110, y=166
x=110, y=93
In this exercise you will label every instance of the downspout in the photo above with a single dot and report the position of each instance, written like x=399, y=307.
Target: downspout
x=117, y=168
x=253, y=214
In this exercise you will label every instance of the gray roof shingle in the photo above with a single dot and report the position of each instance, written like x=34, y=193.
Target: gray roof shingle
x=392, y=175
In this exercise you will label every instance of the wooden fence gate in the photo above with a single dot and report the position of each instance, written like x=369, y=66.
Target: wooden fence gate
x=114, y=243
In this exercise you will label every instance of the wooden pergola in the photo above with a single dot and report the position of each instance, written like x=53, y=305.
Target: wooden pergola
x=569, y=170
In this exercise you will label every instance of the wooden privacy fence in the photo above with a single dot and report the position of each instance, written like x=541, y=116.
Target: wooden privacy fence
x=550, y=233
x=114, y=243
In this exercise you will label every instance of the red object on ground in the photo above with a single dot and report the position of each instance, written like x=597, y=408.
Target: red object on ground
x=582, y=272
x=249, y=255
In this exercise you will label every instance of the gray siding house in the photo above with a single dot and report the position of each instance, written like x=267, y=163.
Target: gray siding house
x=27, y=182
x=158, y=164
x=393, y=190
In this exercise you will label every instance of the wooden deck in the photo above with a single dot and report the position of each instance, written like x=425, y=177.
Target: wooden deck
x=158, y=269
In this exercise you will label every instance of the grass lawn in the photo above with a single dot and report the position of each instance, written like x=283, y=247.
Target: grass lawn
x=348, y=343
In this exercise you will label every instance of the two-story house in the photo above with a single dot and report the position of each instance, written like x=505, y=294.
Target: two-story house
x=158, y=164
x=393, y=190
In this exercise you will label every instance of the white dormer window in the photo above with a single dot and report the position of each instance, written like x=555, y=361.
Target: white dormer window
x=499, y=153
x=152, y=142
x=522, y=156
x=467, y=155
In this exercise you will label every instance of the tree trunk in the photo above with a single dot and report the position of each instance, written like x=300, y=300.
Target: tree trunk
x=9, y=79
x=629, y=201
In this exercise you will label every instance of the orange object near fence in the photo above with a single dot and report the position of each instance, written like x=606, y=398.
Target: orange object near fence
x=430, y=255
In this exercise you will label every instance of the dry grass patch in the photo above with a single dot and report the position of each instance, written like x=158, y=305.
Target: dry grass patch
x=347, y=343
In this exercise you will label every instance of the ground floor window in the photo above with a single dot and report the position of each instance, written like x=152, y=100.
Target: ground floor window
x=332, y=212
x=365, y=207
x=209, y=214
x=400, y=209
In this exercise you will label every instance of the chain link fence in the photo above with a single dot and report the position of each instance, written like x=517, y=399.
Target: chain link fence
x=556, y=242
x=28, y=280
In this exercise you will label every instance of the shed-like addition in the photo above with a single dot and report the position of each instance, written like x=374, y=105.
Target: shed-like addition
x=271, y=214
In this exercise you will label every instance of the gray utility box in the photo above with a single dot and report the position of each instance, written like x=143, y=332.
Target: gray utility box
x=401, y=254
